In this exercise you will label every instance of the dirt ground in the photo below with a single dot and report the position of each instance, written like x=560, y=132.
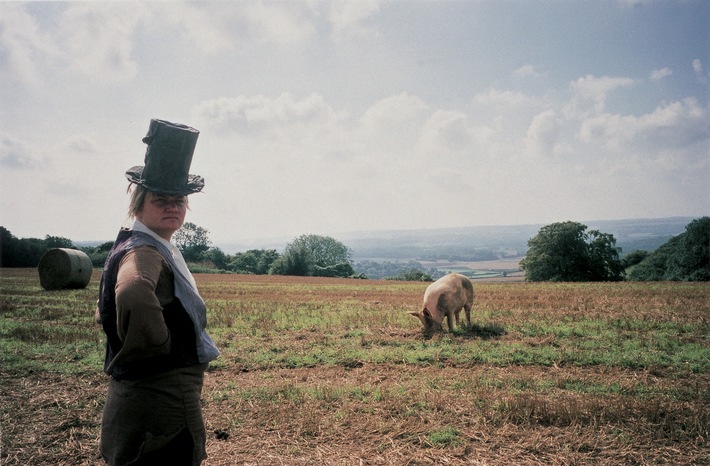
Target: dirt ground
x=55, y=420
x=432, y=412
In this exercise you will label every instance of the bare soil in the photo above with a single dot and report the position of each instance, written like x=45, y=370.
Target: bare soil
x=363, y=413
x=55, y=419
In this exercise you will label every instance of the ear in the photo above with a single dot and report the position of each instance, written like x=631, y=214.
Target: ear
x=415, y=314
x=426, y=313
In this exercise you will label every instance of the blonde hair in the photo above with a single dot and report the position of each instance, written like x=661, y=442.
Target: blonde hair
x=138, y=194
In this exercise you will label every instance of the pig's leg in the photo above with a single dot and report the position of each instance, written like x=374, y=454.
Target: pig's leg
x=467, y=310
x=450, y=320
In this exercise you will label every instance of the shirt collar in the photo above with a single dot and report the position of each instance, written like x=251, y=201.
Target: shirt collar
x=139, y=226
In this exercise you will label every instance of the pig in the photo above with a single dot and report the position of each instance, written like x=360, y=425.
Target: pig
x=444, y=298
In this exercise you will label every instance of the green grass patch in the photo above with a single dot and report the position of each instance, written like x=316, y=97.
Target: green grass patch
x=334, y=323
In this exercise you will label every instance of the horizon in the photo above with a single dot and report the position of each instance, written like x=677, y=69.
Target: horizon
x=270, y=242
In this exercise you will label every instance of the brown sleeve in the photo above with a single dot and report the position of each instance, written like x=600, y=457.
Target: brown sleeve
x=143, y=287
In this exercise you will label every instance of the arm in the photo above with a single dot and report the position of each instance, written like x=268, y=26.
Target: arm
x=143, y=287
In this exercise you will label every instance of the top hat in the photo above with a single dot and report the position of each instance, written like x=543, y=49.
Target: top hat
x=167, y=160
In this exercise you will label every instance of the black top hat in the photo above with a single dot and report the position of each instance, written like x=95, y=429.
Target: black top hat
x=167, y=160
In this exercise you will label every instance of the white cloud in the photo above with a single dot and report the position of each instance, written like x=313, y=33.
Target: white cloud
x=502, y=118
x=348, y=17
x=527, y=71
x=92, y=39
x=657, y=75
x=506, y=111
x=391, y=126
x=698, y=69
x=509, y=99
x=592, y=90
x=283, y=23
x=204, y=25
x=263, y=112
x=393, y=110
x=674, y=124
x=25, y=49
x=543, y=134
x=98, y=39
x=447, y=134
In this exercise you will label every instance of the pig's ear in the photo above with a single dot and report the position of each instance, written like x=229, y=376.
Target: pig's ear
x=426, y=312
x=415, y=314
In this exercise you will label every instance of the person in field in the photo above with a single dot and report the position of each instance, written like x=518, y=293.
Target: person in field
x=154, y=319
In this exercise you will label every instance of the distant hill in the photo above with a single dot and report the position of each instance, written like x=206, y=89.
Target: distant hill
x=481, y=242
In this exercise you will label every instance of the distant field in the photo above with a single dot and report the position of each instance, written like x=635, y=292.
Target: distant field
x=336, y=372
x=500, y=270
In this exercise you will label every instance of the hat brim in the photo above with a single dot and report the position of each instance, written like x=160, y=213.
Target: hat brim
x=194, y=184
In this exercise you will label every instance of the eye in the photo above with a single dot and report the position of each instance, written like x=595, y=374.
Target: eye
x=165, y=202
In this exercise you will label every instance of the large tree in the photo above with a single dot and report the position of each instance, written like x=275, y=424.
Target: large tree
x=254, y=261
x=567, y=252
x=604, y=261
x=315, y=255
x=192, y=241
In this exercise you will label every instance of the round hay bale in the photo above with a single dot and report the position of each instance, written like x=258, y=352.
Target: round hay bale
x=64, y=268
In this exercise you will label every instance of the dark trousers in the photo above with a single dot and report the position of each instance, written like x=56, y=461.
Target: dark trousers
x=156, y=420
x=178, y=452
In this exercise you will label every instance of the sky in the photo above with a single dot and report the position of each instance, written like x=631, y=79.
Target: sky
x=324, y=117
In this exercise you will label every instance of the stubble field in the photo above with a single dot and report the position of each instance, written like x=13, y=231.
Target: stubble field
x=335, y=371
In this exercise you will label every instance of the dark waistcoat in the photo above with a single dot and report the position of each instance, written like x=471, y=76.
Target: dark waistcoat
x=190, y=345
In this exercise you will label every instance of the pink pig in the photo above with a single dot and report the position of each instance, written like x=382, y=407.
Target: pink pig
x=446, y=297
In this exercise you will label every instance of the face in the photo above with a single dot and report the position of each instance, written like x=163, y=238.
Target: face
x=430, y=325
x=163, y=214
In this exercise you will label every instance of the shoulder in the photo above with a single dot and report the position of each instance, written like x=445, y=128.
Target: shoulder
x=143, y=253
x=145, y=261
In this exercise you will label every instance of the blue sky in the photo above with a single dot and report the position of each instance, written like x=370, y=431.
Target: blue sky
x=325, y=117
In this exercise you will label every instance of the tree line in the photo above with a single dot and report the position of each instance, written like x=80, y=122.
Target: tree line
x=307, y=255
x=685, y=257
x=566, y=251
x=563, y=251
x=27, y=252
